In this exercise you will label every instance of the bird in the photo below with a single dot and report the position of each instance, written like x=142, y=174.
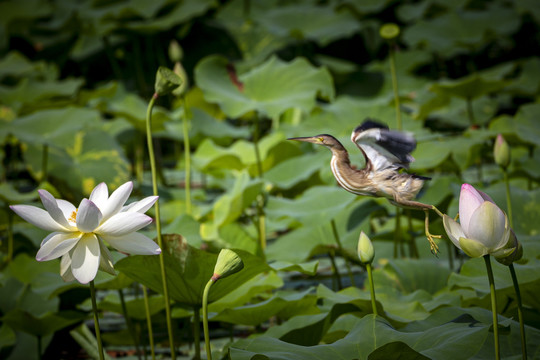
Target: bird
x=386, y=153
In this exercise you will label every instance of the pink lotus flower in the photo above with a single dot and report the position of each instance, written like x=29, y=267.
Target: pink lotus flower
x=482, y=229
x=79, y=234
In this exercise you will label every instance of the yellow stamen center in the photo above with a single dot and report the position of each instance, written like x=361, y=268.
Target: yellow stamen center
x=73, y=217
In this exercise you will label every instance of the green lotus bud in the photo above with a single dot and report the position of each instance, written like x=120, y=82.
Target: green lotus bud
x=389, y=31
x=501, y=152
x=166, y=81
x=515, y=255
x=175, y=52
x=228, y=263
x=179, y=70
x=366, y=252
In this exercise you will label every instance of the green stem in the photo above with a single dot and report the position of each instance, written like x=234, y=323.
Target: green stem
x=96, y=321
x=158, y=223
x=197, y=332
x=129, y=323
x=450, y=249
x=395, y=87
x=397, y=233
x=256, y=145
x=340, y=247
x=493, y=306
x=187, y=158
x=149, y=322
x=205, y=319
x=372, y=289
x=520, y=311
x=337, y=275
x=508, y=197
x=44, y=163
x=260, y=200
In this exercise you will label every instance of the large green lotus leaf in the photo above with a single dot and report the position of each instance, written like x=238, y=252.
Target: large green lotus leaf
x=259, y=285
x=92, y=156
x=524, y=124
x=188, y=227
x=307, y=268
x=411, y=275
x=450, y=340
x=321, y=24
x=53, y=127
x=255, y=314
x=458, y=31
x=317, y=205
x=294, y=170
x=188, y=275
x=525, y=83
x=44, y=325
x=234, y=235
x=181, y=13
x=28, y=95
x=14, y=64
x=270, y=88
x=10, y=195
x=528, y=6
x=133, y=108
x=135, y=307
x=470, y=87
x=7, y=336
x=369, y=6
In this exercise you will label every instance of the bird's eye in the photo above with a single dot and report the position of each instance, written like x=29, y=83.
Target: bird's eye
x=321, y=139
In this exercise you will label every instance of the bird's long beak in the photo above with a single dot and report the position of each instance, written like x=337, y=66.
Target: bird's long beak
x=311, y=139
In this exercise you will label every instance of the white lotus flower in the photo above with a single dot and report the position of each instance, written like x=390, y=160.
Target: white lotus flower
x=79, y=234
x=483, y=228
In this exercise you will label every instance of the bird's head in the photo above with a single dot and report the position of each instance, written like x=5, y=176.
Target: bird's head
x=323, y=139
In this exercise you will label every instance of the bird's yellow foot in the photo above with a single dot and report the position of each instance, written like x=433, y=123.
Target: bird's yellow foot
x=433, y=246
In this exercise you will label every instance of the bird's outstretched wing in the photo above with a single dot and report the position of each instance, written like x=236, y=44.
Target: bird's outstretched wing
x=383, y=148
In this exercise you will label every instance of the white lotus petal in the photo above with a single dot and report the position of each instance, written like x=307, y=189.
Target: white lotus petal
x=469, y=201
x=141, y=206
x=57, y=244
x=65, y=267
x=37, y=217
x=88, y=216
x=106, y=263
x=99, y=195
x=134, y=244
x=473, y=248
x=66, y=207
x=453, y=230
x=123, y=223
x=85, y=259
x=117, y=199
x=488, y=226
x=50, y=204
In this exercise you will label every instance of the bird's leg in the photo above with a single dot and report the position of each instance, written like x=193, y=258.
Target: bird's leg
x=418, y=205
x=430, y=236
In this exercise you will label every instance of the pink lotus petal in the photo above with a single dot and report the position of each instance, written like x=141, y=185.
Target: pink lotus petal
x=469, y=201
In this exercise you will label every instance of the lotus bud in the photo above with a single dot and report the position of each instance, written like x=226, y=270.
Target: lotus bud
x=228, y=263
x=366, y=252
x=175, y=52
x=166, y=81
x=501, y=152
x=179, y=70
x=389, y=31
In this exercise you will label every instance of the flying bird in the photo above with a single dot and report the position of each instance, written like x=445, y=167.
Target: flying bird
x=386, y=153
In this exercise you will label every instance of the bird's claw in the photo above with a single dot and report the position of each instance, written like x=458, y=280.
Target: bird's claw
x=433, y=246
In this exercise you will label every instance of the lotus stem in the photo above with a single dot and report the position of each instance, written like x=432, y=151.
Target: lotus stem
x=187, y=158
x=520, y=311
x=197, y=331
x=493, y=306
x=205, y=319
x=96, y=321
x=337, y=275
x=129, y=323
x=372, y=288
x=508, y=197
x=340, y=247
x=158, y=223
x=149, y=322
